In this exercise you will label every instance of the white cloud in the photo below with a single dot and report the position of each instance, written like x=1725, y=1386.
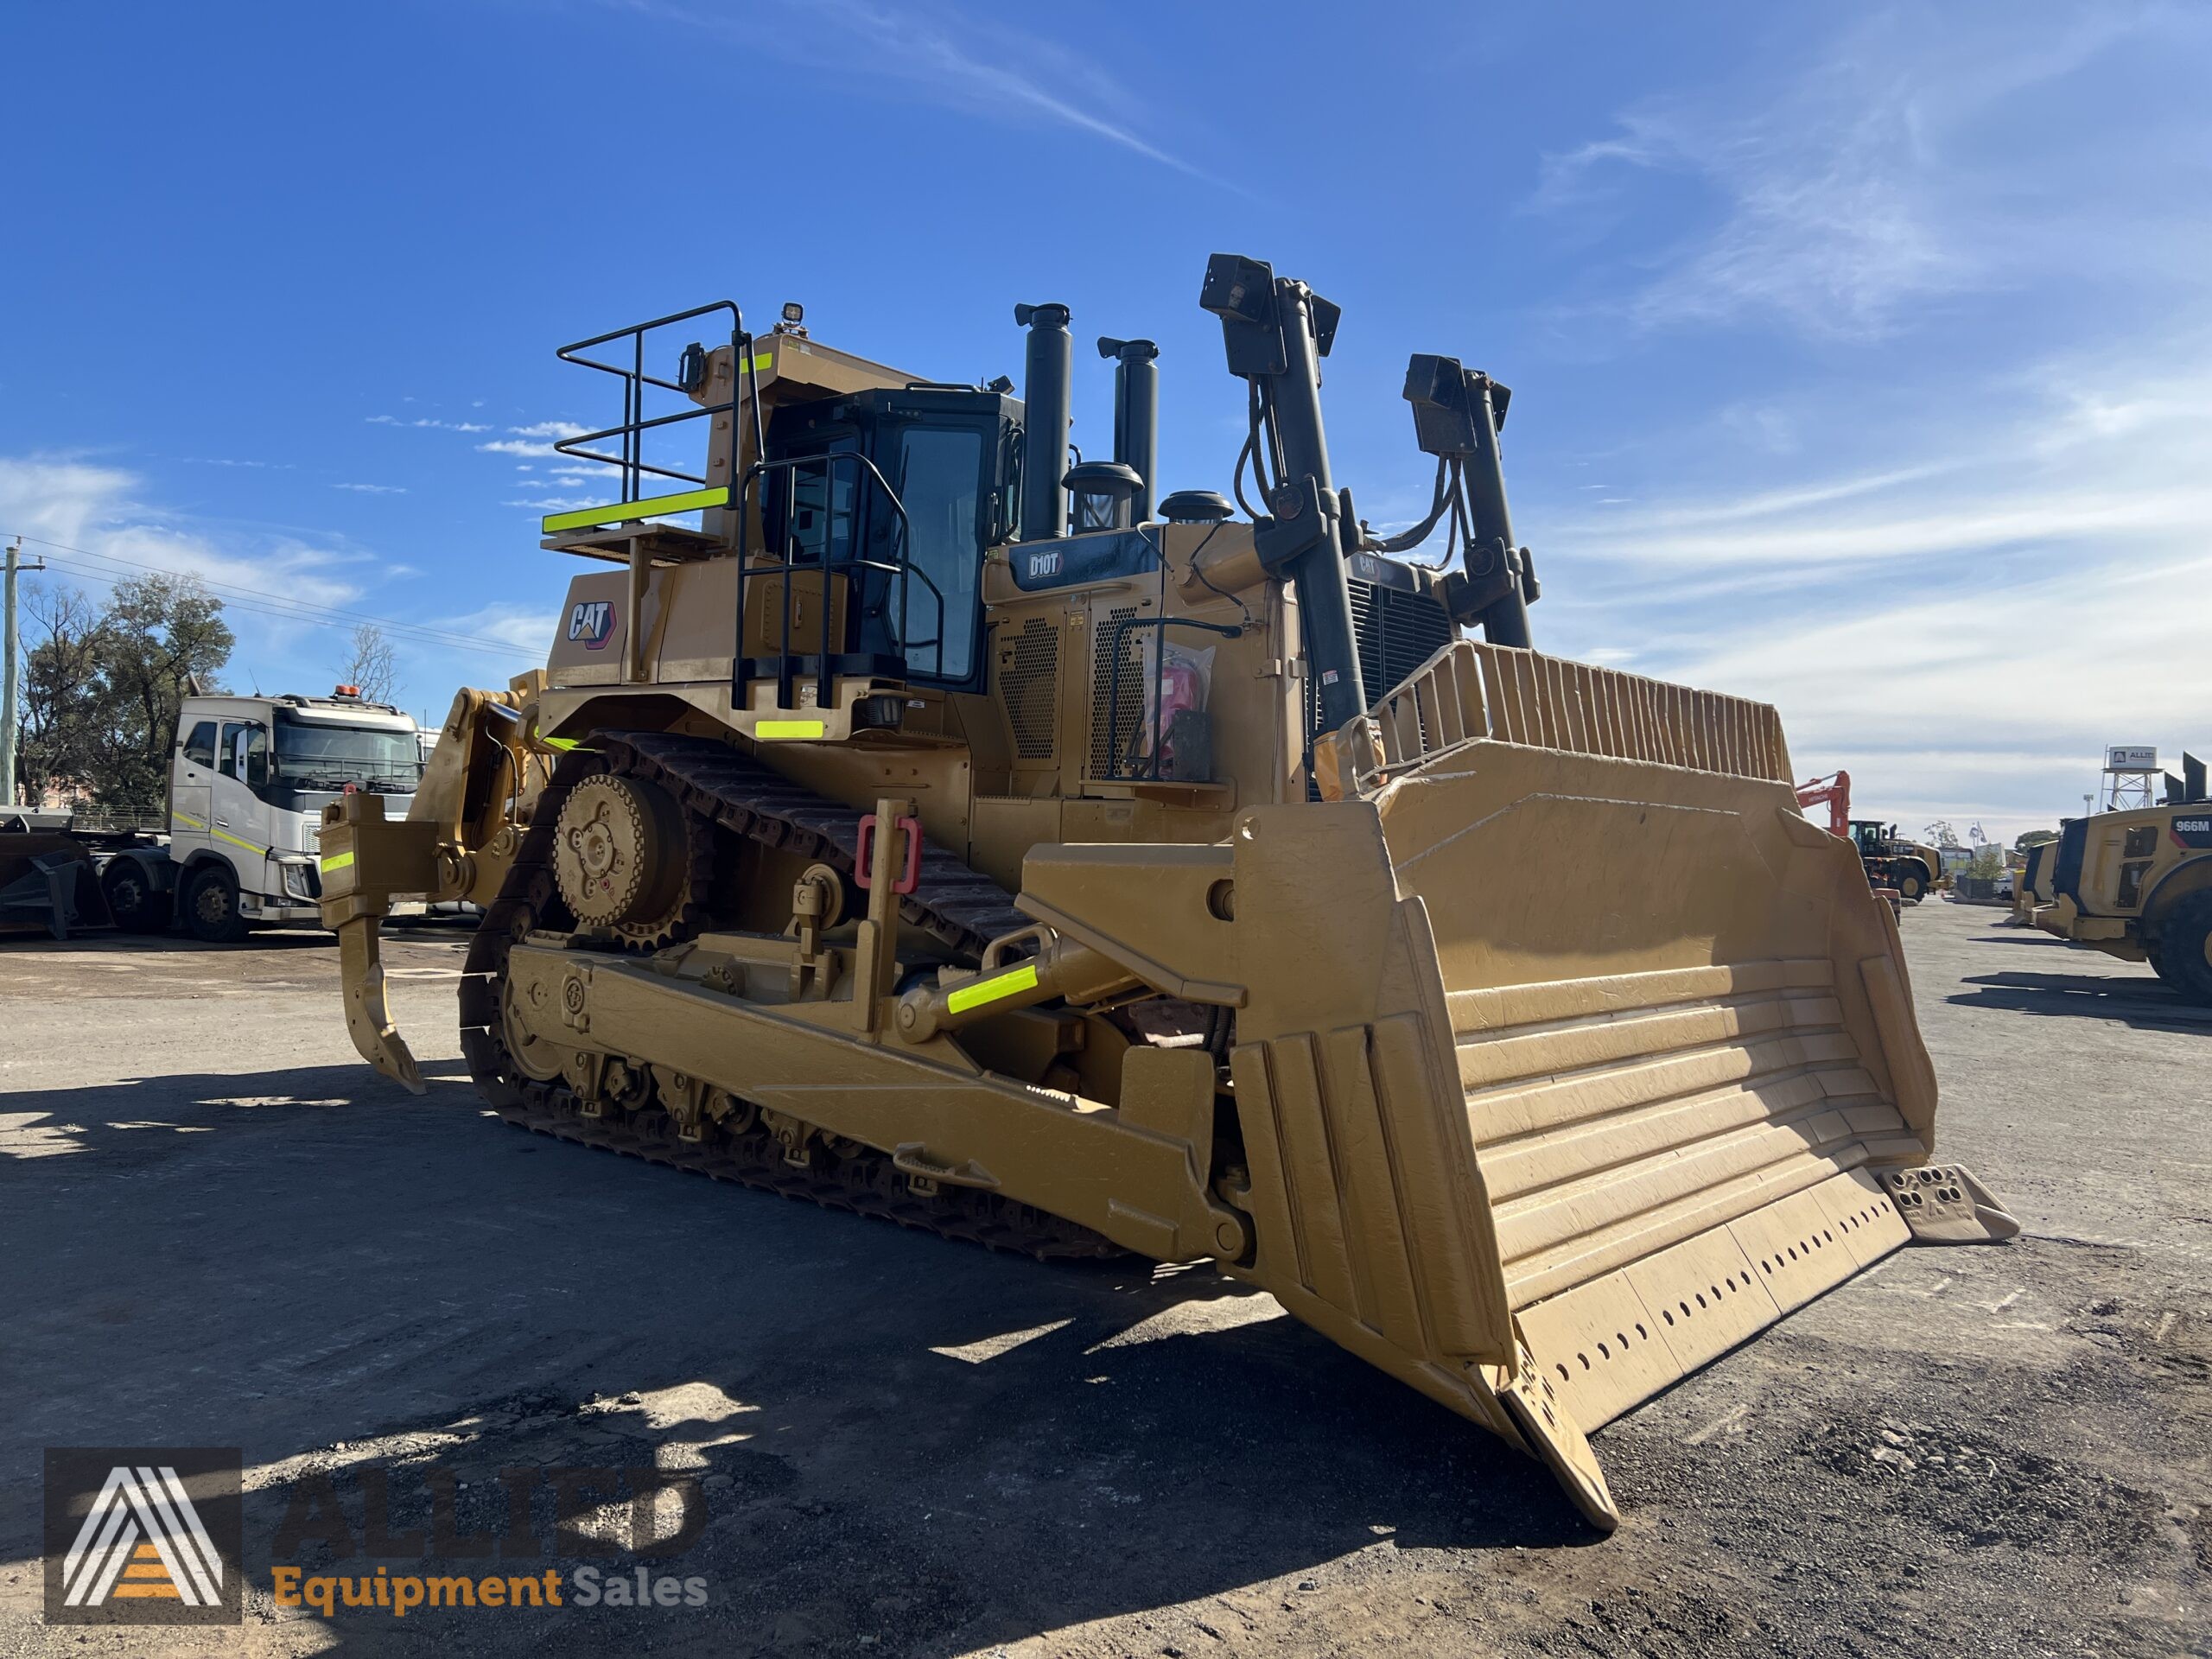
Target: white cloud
x=92, y=527
x=373, y=489
x=1854, y=195
x=1963, y=636
x=553, y=503
x=442, y=426
x=518, y=625
x=536, y=440
x=79, y=506
x=966, y=61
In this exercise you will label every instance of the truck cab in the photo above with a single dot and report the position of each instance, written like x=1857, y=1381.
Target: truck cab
x=248, y=780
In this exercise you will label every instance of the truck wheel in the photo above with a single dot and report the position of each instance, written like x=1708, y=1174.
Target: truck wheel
x=2183, y=958
x=211, y=907
x=1912, y=885
x=136, y=904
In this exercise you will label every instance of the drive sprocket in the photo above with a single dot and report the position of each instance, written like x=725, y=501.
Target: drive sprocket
x=624, y=859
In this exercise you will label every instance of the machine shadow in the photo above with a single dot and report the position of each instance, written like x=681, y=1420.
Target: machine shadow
x=108, y=942
x=932, y=1444
x=2145, y=1003
x=141, y=1120
x=939, y=1507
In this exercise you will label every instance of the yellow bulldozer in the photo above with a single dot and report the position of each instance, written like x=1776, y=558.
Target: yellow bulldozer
x=944, y=833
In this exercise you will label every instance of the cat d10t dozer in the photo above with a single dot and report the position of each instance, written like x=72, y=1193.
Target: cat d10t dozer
x=1167, y=880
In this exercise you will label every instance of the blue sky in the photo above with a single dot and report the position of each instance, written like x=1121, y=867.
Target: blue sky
x=1862, y=358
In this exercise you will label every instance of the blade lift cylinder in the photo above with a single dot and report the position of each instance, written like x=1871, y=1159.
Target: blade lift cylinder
x=1276, y=331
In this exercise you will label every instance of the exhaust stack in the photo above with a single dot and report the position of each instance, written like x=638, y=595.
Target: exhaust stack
x=1047, y=409
x=1136, y=416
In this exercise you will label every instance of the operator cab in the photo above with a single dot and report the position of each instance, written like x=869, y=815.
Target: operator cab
x=901, y=492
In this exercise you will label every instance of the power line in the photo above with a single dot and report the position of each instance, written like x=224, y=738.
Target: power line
x=400, y=631
x=279, y=606
x=297, y=610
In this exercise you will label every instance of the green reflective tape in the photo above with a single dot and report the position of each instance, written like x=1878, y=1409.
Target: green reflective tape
x=761, y=363
x=1023, y=978
x=789, y=729
x=622, y=512
x=338, y=861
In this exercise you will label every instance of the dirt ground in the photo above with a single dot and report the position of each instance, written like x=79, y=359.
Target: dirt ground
x=220, y=1228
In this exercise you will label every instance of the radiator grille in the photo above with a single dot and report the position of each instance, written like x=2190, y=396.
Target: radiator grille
x=1028, y=681
x=1396, y=632
x=1114, y=717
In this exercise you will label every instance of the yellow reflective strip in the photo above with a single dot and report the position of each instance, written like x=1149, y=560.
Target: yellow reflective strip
x=187, y=817
x=774, y=729
x=338, y=861
x=621, y=512
x=990, y=990
x=766, y=361
x=224, y=834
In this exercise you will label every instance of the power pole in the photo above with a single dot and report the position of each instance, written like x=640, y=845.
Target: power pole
x=8, y=653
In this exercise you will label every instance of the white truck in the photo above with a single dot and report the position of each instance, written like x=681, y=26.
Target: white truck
x=248, y=780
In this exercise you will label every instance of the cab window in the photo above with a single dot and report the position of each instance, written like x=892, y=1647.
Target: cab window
x=200, y=748
x=818, y=524
x=253, y=756
x=940, y=480
x=233, y=750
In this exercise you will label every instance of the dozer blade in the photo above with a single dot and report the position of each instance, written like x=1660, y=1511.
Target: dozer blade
x=1638, y=1058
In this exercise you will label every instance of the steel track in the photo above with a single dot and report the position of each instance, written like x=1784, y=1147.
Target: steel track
x=717, y=785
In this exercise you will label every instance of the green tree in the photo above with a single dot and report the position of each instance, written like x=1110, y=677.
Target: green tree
x=159, y=636
x=59, y=689
x=102, y=689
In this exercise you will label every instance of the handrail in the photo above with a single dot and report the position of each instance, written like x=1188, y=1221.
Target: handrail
x=634, y=424
x=902, y=569
x=567, y=353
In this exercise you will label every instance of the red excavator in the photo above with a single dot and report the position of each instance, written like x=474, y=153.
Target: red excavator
x=1835, y=790
x=1895, y=869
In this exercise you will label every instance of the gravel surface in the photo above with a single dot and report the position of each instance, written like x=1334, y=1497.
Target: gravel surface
x=222, y=1230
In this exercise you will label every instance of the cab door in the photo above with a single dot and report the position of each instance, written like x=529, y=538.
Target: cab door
x=237, y=817
x=191, y=785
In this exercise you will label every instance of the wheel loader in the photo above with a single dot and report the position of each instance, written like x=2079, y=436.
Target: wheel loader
x=941, y=832
x=1911, y=868
x=2136, y=884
